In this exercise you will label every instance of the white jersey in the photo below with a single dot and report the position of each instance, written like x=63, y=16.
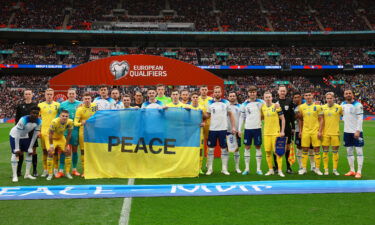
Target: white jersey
x=251, y=113
x=235, y=109
x=296, y=122
x=152, y=105
x=118, y=105
x=219, y=114
x=104, y=104
x=24, y=127
x=353, y=116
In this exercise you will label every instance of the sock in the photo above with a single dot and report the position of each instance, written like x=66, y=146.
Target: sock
x=287, y=153
x=200, y=158
x=35, y=162
x=75, y=160
x=45, y=161
x=19, y=165
x=14, y=162
x=317, y=158
x=279, y=160
x=269, y=160
x=350, y=156
x=83, y=162
x=305, y=156
x=28, y=163
x=56, y=161
x=299, y=157
x=275, y=162
x=62, y=162
x=335, y=157
x=325, y=159
x=50, y=164
x=210, y=158
x=247, y=159
x=258, y=155
x=224, y=159
x=359, y=151
x=237, y=160
x=312, y=158
x=68, y=163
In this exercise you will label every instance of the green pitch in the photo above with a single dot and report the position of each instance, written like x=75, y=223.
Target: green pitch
x=268, y=209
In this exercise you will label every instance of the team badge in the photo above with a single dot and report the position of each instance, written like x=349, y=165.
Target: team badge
x=119, y=69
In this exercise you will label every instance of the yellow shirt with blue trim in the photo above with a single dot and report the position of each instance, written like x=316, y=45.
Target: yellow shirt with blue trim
x=48, y=112
x=178, y=105
x=271, y=119
x=332, y=119
x=204, y=102
x=59, y=128
x=84, y=113
x=310, y=114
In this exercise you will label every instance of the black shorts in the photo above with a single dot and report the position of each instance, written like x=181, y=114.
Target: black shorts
x=36, y=141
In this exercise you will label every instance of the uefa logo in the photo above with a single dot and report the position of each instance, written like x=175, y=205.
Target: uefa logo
x=119, y=69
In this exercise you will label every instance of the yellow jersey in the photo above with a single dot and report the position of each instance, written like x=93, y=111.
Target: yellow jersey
x=59, y=128
x=84, y=113
x=332, y=119
x=204, y=102
x=178, y=105
x=310, y=115
x=271, y=119
x=199, y=107
x=48, y=112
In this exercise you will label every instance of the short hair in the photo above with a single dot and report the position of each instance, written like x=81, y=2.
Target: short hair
x=232, y=92
x=309, y=91
x=348, y=89
x=194, y=93
x=296, y=93
x=283, y=86
x=184, y=90
x=64, y=111
x=267, y=93
x=72, y=89
x=175, y=90
x=35, y=108
x=103, y=86
x=252, y=88
x=160, y=85
x=203, y=86
x=217, y=87
x=115, y=89
x=28, y=90
x=86, y=94
x=151, y=89
x=138, y=92
x=126, y=95
x=330, y=93
x=49, y=89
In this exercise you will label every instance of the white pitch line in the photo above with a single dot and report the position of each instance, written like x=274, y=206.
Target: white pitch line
x=126, y=206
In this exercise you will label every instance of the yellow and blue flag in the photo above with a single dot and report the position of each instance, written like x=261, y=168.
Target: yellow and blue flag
x=143, y=143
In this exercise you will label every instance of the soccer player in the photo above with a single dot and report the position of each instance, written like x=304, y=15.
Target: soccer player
x=21, y=142
x=251, y=112
x=48, y=112
x=152, y=101
x=126, y=100
x=71, y=106
x=271, y=114
x=160, y=89
x=58, y=143
x=332, y=113
x=235, y=109
x=185, y=96
x=84, y=113
x=104, y=101
x=218, y=110
x=24, y=109
x=353, y=135
x=115, y=95
x=195, y=105
x=311, y=127
x=203, y=101
x=138, y=99
x=286, y=105
x=175, y=95
x=297, y=101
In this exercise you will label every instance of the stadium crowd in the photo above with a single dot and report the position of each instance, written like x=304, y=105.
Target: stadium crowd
x=34, y=54
x=226, y=15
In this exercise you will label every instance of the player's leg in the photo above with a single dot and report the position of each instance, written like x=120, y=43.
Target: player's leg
x=201, y=152
x=312, y=158
x=358, y=143
x=279, y=159
x=349, y=144
x=288, y=134
x=326, y=142
x=297, y=141
x=25, y=143
x=51, y=153
x=13, y=159
x=211, y=143
x=61, y=165
x=247, y=140
x=316, y=144
x=224, y=152
x=268, y=149
x=81, y=144
x=305, y=143
x=44, y=144
x=74, y=141
x=56, y=159
x=258, y=150
x=35, y=162
x=19, y=165
x=236, y=155
x=68, y=162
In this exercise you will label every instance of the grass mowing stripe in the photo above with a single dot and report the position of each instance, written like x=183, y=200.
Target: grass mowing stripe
x=126, y=207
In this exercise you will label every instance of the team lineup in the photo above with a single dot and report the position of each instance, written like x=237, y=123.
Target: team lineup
x=304, y=122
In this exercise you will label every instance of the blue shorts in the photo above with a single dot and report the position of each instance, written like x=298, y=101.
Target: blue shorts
x=24, y=144
x=74, y=138
x=214, y=135
x=251, y=134
x=238, y=139
x=350, y=141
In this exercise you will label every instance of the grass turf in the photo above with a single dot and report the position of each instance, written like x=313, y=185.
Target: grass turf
x=271, y=209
